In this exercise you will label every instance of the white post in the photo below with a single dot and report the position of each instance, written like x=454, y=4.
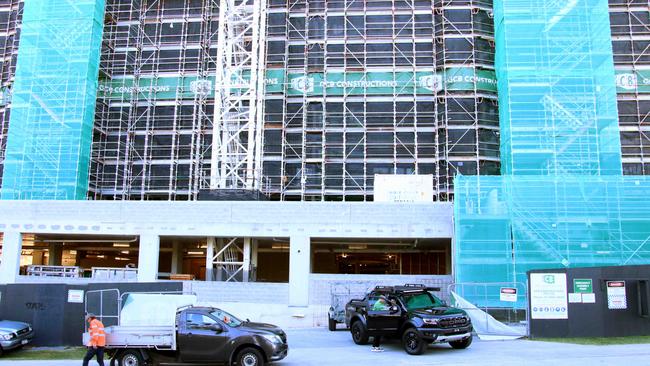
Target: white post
x=12, y=243
x=299, y=268
x=148, y=258
x=209, y=259
x=247, y=259
x=219, y=268
x=254, y=251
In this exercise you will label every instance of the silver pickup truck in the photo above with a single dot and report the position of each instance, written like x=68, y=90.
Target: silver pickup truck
x=14, y=334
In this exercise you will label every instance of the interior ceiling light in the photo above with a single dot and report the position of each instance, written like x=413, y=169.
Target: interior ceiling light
x=195, y=253
x=124, y=252
x=357, y=246
x=121, y=245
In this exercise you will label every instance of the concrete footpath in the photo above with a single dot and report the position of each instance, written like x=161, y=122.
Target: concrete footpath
x=321, y=347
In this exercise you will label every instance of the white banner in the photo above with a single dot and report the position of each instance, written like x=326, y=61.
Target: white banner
x=403, y=188
x=548, y=296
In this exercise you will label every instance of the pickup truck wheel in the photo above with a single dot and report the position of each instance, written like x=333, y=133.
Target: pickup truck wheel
x=462, y=344
x=413, y=344
x=359, y=333
x=250, y=357
x=130, y=358
x=331, y=323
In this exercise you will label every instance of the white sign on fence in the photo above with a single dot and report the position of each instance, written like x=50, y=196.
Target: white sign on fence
x=403, y=188
x=548, y=296
x=616, y=295
x=76, y=296
x=508, y=294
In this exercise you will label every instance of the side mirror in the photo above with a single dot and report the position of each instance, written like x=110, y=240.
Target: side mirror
x=393, y=309
x=216, y=327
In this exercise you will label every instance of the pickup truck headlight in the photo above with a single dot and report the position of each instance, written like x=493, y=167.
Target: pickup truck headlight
x=7, y=337
x=273, y=338
x=430, y=321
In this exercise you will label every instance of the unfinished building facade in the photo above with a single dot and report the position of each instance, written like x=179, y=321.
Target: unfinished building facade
x=353, y=89
x=630, y=23
x=9, y=35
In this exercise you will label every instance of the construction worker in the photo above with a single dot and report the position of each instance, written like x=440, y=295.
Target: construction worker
x=97, y=340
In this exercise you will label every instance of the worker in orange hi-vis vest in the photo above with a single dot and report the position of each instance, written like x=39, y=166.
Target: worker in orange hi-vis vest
x=97, y=340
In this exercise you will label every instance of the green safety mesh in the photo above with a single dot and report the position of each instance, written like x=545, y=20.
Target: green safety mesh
x=557, y=93
x=505, y=226
x=53, y=100
x=562, y=201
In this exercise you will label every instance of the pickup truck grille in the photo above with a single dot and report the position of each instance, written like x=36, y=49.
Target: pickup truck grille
x=453, y=322
x=23, y=331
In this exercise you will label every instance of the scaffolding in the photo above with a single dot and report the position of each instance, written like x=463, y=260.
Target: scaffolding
x=556, y=88
x=630, y=23
x=352, y=89
x=53, y=97
x=505, y=226
x=10, y=18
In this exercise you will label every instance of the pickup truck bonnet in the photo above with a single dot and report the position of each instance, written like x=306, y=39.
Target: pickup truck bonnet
x=153, y=309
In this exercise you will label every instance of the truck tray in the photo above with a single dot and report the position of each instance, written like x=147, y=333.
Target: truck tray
x=158, y=337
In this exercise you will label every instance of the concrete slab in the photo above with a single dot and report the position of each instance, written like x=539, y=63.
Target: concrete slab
x=321, y=347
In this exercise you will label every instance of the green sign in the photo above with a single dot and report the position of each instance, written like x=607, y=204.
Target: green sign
x=400, y=83
x=330, y=83
x=631, y=81
x=582, y=286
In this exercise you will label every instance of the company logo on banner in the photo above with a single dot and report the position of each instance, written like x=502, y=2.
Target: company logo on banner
x=201, y=87
x=431, y=82
x=627, y=81
x=303, y=84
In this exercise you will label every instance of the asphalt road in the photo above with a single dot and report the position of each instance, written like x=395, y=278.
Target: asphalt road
x=321, y=347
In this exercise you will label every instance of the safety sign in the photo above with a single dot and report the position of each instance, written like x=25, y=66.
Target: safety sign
x=508, y=294
x=616, y=298
x=548, y=296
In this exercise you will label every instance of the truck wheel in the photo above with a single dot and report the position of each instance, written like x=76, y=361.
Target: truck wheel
x=462, y=344
x=250, y=357
x=359, y=333
x=130, y=358
x=413, y=344
x=331, y=323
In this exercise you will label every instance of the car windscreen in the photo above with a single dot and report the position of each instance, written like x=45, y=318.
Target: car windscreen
x=420, y=300
x=227, y=318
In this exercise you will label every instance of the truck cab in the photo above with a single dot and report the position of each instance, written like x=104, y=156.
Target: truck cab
x=411, y=313
x=211, y=335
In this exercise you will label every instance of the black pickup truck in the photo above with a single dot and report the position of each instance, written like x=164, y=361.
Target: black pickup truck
x=408, y=312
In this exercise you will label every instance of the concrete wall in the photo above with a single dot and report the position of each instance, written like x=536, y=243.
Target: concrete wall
x=240, y=219
x=250, y=292
x=321, y=286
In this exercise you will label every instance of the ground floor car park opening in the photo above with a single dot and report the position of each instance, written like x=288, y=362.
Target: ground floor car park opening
x=280, y=259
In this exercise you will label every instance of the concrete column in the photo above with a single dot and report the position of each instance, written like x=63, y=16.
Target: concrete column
x=219, y=268
x=177, y=257
x=299, y=268
x=209, y=259
x=254, y=251
x=12, y=243
x=247, y=260
x=148, y=258
x=55, y=254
